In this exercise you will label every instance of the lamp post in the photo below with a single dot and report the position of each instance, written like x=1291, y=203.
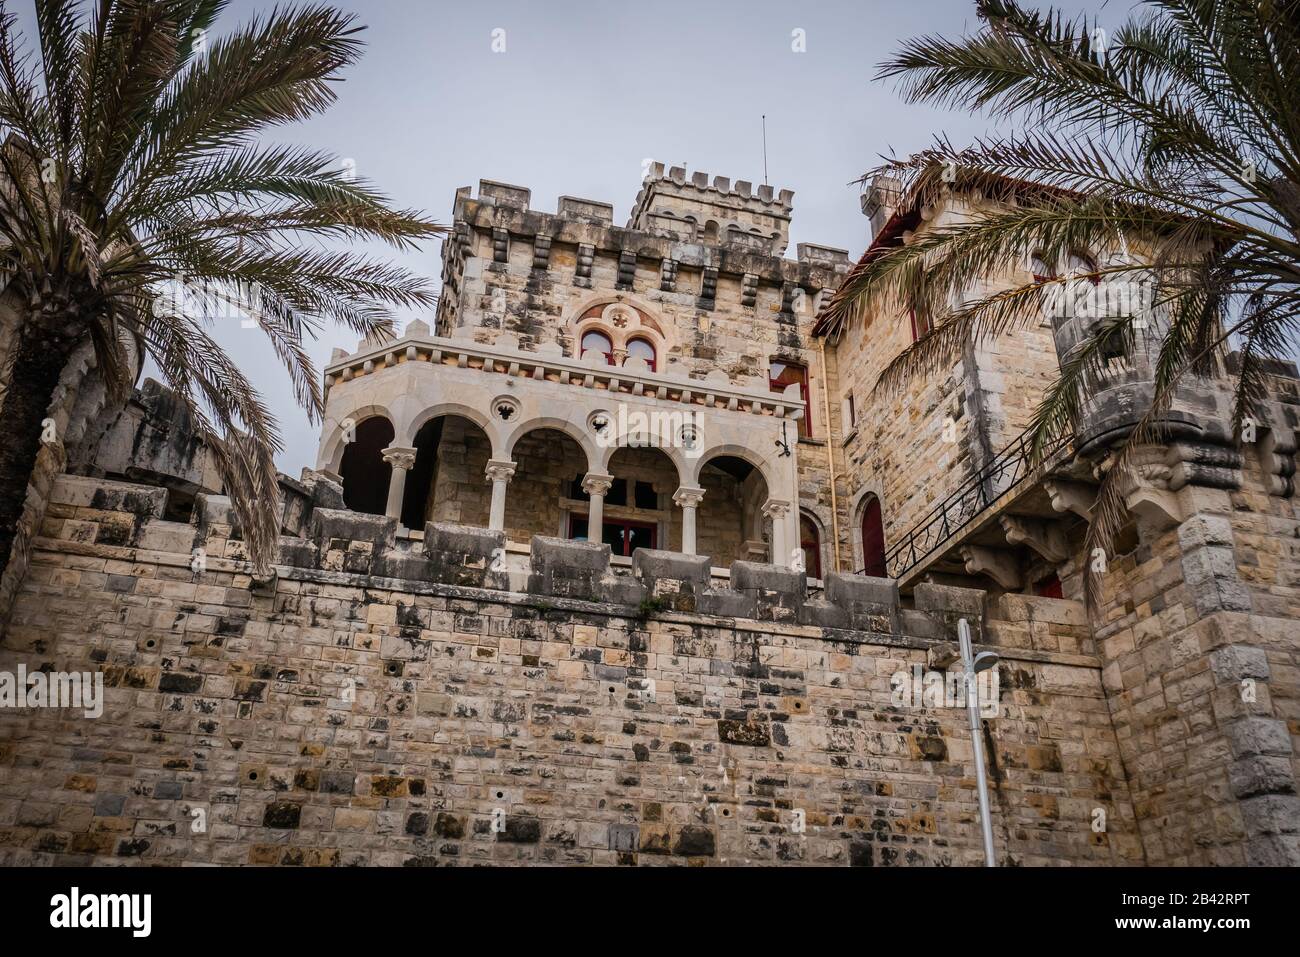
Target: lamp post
x=973, y=665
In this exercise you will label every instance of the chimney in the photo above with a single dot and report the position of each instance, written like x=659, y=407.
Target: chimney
x=880, y=201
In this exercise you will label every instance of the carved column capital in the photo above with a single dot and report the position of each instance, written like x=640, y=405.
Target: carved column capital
x=400, y=457
x=499, y=470
x=597, y=483
x=776, y=509
x=688, y=496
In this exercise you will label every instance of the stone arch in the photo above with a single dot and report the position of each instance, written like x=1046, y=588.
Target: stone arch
x=447, y=482
x=639, y=508
x=591, y=315
x=363, y=469
x=819, y=565
x=476, y=415
x=545, y=493
x=331, y=455
x=763, y=464
x=869, y=518
x=730, y=523
x=595, y=455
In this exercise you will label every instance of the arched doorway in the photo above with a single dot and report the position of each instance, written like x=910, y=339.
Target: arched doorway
x=638, y=509
x=730, y=525
x=873, y=539
x=447, y=482
x=543, y=493
x=363, y=469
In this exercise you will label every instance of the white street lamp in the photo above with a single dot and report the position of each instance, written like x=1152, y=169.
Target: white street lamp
x=974, y=664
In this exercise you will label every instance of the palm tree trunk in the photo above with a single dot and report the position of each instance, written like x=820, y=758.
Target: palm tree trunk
x=41, y=358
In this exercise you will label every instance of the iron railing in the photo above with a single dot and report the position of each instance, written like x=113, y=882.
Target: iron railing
x=950, y=517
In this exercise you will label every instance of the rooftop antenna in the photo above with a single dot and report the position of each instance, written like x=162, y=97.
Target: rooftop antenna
x=764, y=149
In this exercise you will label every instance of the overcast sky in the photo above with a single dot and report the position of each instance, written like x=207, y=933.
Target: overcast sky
x=585, y=91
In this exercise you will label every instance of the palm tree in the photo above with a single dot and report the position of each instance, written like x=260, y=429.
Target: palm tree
x=133, y=162
x=1178, y=133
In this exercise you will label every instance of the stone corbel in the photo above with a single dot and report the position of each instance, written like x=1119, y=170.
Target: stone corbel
x=1075, y=497
x=997, y=564
x=1149, y=497
x=1159, y=507
x=1044, y=537
x=1277, y=456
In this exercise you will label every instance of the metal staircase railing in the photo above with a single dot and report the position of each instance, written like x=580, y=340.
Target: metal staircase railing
x=953, y=514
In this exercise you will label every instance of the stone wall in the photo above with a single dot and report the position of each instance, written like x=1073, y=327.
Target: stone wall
x=1198, y=639
x=914, y=446
x=384, y=704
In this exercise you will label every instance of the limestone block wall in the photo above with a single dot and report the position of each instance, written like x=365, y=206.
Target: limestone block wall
x=381, y=704
x=1199, y=643
x=914, y=447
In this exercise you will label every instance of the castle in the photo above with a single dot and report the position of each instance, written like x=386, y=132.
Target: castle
x=620, y=562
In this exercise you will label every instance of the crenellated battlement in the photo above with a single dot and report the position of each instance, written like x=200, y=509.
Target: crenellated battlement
x=332, y=545
x=674, y=202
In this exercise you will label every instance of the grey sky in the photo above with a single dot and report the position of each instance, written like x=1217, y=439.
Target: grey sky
x=586, y=90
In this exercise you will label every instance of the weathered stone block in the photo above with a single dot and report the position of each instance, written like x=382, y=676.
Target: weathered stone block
x=1250, y=736
x=777, y=592
x=1232, y=663
x=1202, y=530
x=466, y=555
x=1272, y=814
x=946, y=605
x=568, y=569
x=338, y=525
x=871, y=603
x=1261, y=774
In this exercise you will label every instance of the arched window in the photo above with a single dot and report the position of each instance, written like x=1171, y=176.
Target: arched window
x=598, y=342
x=873, y=540
x=364, y=472
x=1041, y=269
x=784, y=374
x=1080, y=264
x=810, y=543
x=642, y=349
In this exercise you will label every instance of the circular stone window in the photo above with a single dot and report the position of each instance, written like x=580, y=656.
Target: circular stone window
x=600, y=423
x=689, y=438
x=505, y=408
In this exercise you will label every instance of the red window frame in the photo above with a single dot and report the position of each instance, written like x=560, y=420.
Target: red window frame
x=873, y=540
x=653, y=361
x=622, y=523
x=810, y=543
x=608, y=354
x=920, y=326
x=778, y=383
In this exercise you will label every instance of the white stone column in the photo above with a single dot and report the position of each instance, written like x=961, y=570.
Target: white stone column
x=689, y=499
x=499, y=473
x=778, y=511
x=596, y=485
x=402, y=460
